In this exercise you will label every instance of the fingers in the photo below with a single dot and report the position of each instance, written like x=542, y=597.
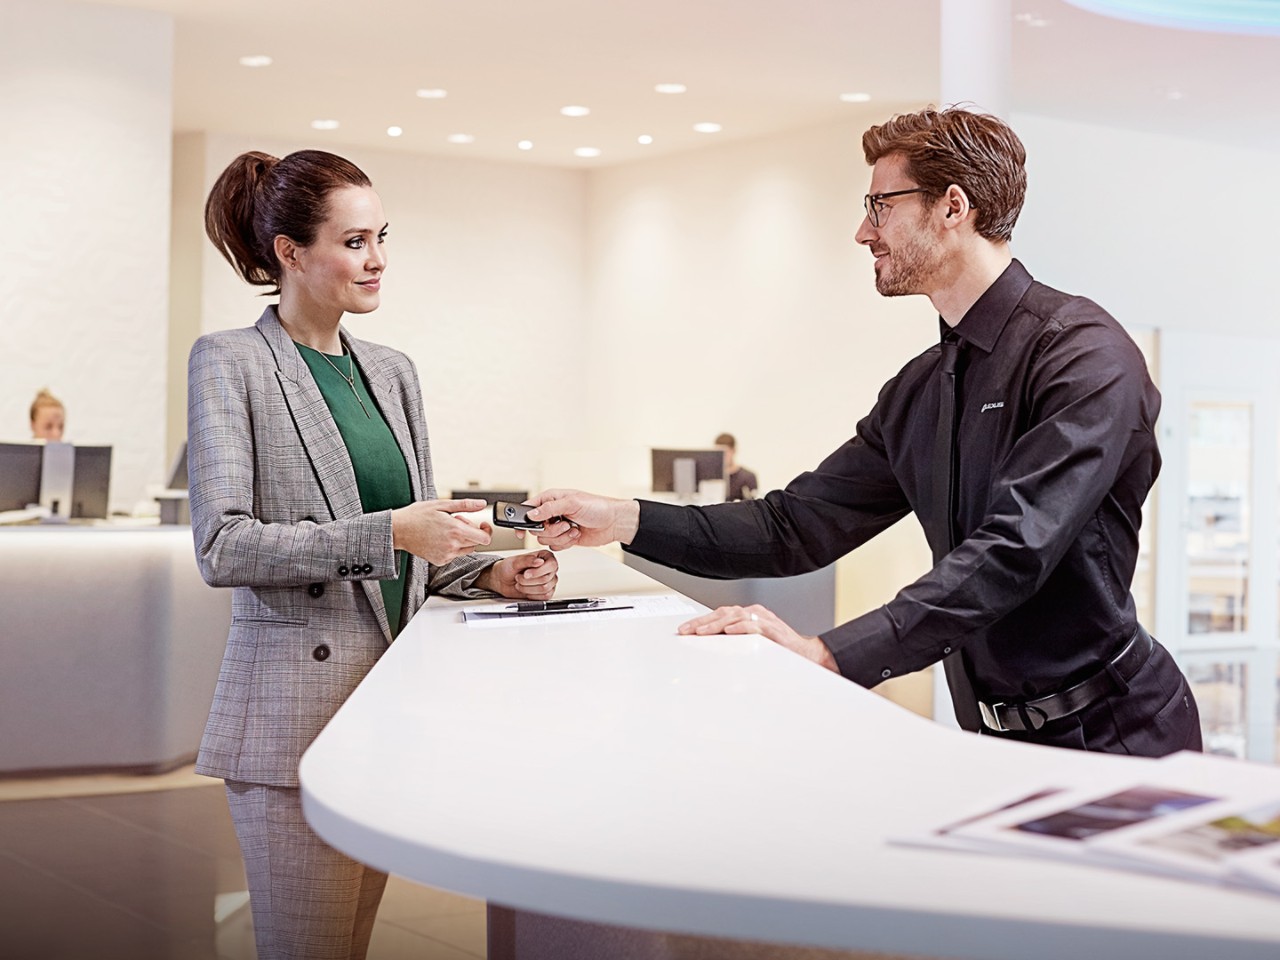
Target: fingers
x=752, y=619
x=555, y=503
x=535, y=569
x=559, y=536
x=459, y=506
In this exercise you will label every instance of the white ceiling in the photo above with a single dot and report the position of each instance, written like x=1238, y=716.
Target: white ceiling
x=754, y=66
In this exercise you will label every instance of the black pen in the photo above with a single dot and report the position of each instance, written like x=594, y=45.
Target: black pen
x=577, y=603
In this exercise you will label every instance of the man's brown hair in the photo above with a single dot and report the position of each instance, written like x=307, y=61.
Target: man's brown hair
x=975, y=151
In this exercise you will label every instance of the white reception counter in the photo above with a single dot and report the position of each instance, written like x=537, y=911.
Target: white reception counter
x=109, y=648
x=617, y=773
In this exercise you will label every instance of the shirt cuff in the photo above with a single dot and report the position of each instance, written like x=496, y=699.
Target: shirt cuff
x=661, y=533
x=867, y=649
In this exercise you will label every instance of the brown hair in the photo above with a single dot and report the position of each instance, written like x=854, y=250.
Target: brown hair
x=975, y=151
x=45, y=399
x=258, y=198
x=726, y=440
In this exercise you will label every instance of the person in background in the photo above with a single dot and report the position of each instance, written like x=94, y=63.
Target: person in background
x=48, y=416
x=742, y=483
x=312, y=496
x=1024, y=442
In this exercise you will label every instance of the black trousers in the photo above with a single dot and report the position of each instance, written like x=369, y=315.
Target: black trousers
x=1155, y=716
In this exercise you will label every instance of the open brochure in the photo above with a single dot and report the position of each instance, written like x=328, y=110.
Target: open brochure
x=1195, y=817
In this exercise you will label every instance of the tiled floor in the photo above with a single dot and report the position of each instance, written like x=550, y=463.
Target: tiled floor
x=117, y=867
x=155, y=874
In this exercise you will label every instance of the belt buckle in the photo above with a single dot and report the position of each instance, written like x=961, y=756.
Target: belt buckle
x=990, y=718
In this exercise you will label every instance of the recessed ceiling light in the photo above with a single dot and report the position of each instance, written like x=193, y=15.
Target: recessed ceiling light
x=855, y=97
x=707, y=127
x=1031, y=20
x=587, y=152
x=644, y=139
x=525, y=144
x=670, y=88
x=575, y=111
x=394, y=131
x=460, y=138
x=1174, y=94
x=432, y=93
x=255, y=60
x=324, y=124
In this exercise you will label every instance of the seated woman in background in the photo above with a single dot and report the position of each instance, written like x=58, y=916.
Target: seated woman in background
x=48, y=416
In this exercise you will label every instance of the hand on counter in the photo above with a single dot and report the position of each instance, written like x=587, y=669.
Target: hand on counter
x=761, y=620
x=528, y=576
x=583, y=519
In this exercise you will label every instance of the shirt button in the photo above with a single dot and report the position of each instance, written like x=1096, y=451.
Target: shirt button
x=946, y=650
x=886, y=673
x=316, y=590
x=343, y=571
x=321, y=652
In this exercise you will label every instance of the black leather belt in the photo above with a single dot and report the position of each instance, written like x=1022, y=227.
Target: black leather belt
x=1034, y=714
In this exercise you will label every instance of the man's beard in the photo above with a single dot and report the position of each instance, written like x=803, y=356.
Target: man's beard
x=911, y=264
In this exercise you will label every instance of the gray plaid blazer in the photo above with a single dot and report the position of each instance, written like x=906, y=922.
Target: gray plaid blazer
x=276, y=516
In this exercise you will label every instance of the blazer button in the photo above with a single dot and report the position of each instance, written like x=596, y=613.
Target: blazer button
x=343, y=571
x=316, y=590
x=321, y=652
x=367, y=568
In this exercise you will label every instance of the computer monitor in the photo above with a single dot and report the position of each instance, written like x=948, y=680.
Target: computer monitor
x=20, y=465
x=91, y=483
x=707, y=465
x=178, y=470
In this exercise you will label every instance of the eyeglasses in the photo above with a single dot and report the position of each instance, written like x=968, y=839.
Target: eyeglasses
x=874, y=202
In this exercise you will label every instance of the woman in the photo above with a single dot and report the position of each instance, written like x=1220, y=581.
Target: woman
x=48, y=416
x=312, y=495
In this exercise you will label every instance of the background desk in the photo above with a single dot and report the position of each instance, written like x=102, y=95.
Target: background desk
x=718, y=786
x=109, y=648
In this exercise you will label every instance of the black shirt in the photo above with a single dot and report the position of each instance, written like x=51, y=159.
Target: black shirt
x=1056, y=452
x=742, y=484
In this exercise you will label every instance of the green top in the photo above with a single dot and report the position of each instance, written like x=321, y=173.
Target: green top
x=382, y=477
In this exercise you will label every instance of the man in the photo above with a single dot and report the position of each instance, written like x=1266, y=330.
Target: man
x=1024, y=443
x=742, y=483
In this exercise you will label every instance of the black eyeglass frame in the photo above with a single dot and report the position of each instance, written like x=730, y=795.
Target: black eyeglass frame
x=873, y=202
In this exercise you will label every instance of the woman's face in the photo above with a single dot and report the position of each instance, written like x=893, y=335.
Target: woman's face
x=48, y=423
x=342, y=269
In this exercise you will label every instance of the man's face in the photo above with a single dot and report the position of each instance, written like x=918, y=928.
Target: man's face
x=907, y=245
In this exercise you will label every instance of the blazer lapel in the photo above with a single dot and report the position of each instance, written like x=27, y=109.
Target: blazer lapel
x=321, y=439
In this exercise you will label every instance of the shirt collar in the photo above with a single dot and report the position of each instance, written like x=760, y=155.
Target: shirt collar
x=985, y=320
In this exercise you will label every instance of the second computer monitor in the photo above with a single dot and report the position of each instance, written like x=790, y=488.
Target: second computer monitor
x=670, y=475
x=91, y=483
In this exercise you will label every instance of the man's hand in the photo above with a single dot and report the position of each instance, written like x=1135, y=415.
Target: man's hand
x=574, y=518
x=758, y=619
x=527, y=576
x=429, y=529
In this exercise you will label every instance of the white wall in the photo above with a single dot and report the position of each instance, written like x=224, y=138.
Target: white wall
x=85, y=101
x=1162, y=231
x=485, y=261
x=727, y=293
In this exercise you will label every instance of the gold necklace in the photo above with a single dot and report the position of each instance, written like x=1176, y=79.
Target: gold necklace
x=350, y=378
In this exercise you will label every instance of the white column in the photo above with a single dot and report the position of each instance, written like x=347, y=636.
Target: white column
x=976, y=40
x=86, y=109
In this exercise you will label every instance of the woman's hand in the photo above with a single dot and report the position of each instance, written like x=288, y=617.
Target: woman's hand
x=761, y=620
x=526, y=576
x=429, y=529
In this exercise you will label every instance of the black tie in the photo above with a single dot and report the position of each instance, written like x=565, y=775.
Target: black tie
x=944, y=511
